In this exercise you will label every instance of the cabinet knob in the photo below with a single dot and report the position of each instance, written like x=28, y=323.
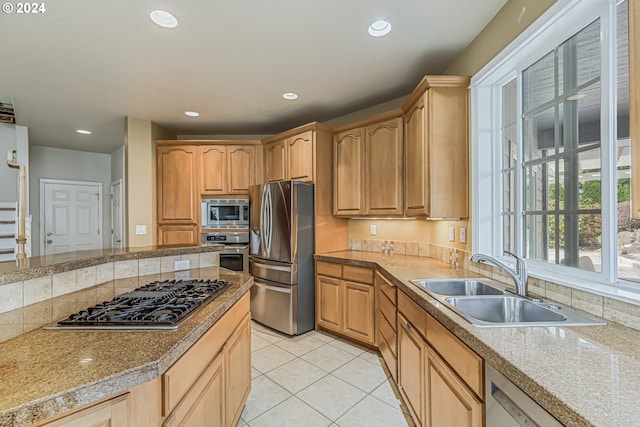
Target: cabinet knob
x=409, y=325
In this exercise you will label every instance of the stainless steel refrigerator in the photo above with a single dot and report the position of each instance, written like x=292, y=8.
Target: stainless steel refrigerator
x=281, y=256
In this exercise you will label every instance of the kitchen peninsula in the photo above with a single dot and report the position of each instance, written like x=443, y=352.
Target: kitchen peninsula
x=130, y=377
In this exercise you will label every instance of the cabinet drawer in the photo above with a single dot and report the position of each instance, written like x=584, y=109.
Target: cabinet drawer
x=183, y=374
x=464, y=361
x=389, y=334
x=386, y=287
x=387, y=309
x=413, y=313
x=329, y=269
x=357, y=274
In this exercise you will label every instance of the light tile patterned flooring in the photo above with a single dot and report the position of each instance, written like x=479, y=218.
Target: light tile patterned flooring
x=317, y=379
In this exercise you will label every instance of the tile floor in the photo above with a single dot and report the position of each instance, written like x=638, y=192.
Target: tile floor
x=317, y=379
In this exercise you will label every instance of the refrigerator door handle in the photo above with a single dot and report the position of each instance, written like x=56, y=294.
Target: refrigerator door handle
x=263, y=233
x=269, y=222
x=272, y=267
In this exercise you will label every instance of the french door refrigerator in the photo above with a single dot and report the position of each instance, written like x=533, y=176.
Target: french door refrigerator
x=281, y=256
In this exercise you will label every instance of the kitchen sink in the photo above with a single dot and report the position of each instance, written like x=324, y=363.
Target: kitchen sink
x=511, y=310
x=457, y=287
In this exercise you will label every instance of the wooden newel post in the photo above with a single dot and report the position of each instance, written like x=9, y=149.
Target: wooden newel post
x=22, y=205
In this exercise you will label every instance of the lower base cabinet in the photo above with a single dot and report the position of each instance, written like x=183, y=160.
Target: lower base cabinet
x=411, y=373
x=207, y=386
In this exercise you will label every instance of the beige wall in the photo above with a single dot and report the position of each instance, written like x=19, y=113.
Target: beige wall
x=140, y=158
x=514, y=17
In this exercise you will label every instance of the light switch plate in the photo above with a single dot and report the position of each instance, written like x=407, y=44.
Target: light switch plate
x=373, y=230
x=141, y=229
x=182, y=265
x=452, y=234
x=463, y=235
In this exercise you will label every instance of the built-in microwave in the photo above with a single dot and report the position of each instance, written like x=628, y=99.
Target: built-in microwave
x=225, y=213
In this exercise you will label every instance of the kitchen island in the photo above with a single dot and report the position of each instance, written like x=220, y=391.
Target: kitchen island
x=583, y=376
x=47, y=373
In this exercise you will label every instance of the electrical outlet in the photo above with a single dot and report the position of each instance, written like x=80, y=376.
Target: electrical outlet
x=182, y=265
x=452, y=234
x=373, y=230
x=141, y=229
x=463, y=235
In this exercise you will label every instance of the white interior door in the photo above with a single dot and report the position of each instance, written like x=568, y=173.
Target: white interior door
x=72, y=216
x=116, y=214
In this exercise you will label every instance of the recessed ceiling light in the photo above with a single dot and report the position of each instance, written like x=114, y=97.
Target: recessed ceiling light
x=379, y=28
x=191, y=113
x=163, y=18
x=290, y=96
x=84, y=132
x=576, y=97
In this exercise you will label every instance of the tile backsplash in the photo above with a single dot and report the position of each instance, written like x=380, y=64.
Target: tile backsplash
x=613, y=310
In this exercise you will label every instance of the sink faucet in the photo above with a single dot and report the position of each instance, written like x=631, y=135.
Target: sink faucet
x=519, y=276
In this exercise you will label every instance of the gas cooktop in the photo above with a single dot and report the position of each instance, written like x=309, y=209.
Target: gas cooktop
x=158, y=305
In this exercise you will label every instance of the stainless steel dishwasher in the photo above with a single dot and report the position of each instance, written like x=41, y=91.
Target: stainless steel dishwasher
x=508, y=406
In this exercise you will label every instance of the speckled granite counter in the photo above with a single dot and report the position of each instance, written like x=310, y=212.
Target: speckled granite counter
x=584, y=376
x=45, y=373
x=59, y=263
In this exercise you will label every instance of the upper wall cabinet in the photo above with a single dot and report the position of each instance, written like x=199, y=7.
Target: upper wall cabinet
x=226, y=169
x=367, y=167
x=177, y=184
x=292, y=154
x=436, y=148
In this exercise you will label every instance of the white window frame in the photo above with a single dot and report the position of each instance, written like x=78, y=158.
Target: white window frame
x=560, y=22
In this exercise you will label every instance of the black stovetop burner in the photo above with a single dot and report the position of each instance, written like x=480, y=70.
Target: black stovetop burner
x=158, y=305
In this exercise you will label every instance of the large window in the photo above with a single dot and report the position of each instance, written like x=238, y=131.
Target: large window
x=551, y=147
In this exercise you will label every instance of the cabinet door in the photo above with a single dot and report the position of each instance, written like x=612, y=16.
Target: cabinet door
x=177, y=235
x=212, y=167
x=113, y=412
x=329, y=303
x=237, y=371
x=204, y=404
x=348, y=173
x=359, y=311
x=449, y=401
x=384, y=172
x=177, y=187
x=411, y=375
x=240, y=169
x=415, y=155
x=300, y=156
x=275, y=161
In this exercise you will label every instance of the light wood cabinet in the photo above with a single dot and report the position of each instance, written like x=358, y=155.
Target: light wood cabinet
x=345, y=302
x=177, y=234
x=113, y=412
x=212, y=169
x=210, y=383
x=237, y=371
x=349, y=173
x=290, y=158
x=384, y=157
x=300, y=157
x=367, y=167
x=177, y=188
x=225, y=169
x=451, y=403
x=436, y=148
x=275, y=161
x=411, y=377
x=440, y=378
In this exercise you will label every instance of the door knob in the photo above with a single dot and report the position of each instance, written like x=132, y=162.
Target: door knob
x=49, y=241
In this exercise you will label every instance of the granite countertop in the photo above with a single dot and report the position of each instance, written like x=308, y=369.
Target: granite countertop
x=44, y=373
x=34, y=267
x=584, y=376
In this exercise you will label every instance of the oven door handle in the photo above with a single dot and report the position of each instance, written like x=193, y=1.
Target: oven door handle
x=284, y=290
x=272, y=267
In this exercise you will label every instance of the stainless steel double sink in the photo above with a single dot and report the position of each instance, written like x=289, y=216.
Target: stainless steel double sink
x=488, y=305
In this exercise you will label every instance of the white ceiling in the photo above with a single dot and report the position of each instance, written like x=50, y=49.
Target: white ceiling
x=87, y=64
